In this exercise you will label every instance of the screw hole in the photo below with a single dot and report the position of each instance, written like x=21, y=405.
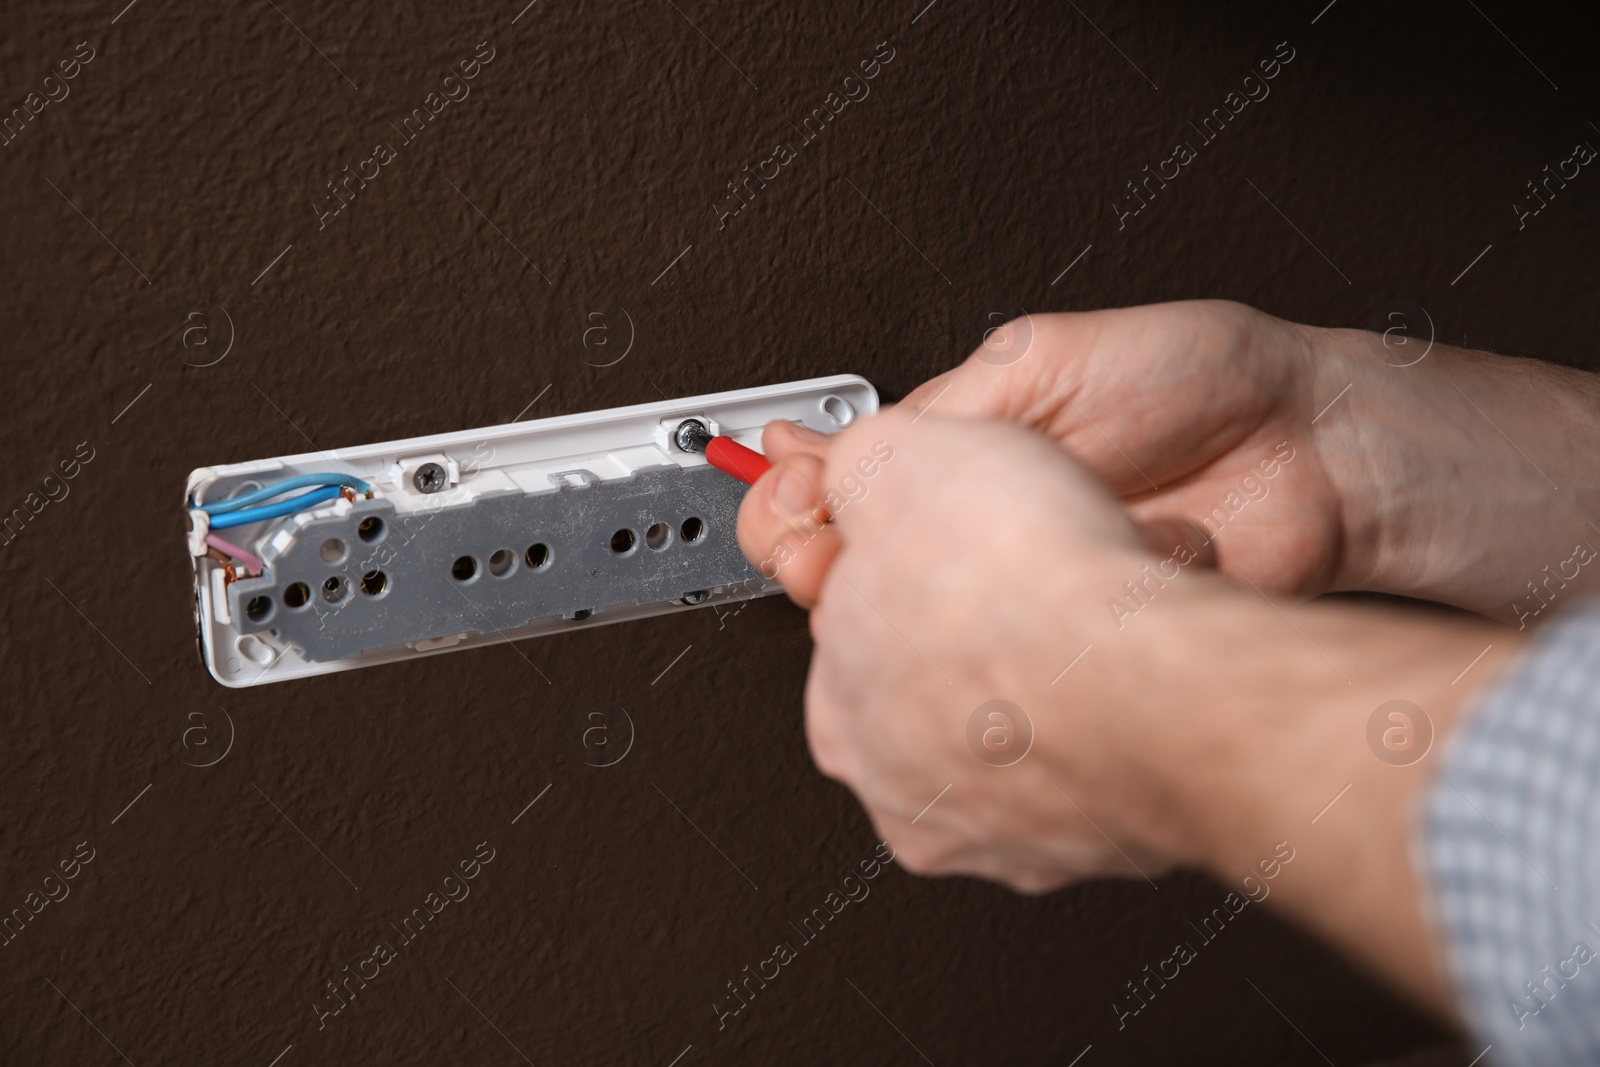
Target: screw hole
x=332, y=550
x=296, y=595
x=622, y=541
x=838, y=409
x=373, y=583
x=335, y=589
x=371, y=529
x=692, y=529
x=463, y=568
x=255, y=651
x=501, y=562
x=581, y=614
x=658, y=535
x=259, y=609
x=537, y=557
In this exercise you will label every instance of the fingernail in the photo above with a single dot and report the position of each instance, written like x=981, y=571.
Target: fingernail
x=806, y=433
x=794, y=494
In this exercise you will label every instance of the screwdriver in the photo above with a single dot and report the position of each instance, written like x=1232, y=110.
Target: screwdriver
x=723, y=453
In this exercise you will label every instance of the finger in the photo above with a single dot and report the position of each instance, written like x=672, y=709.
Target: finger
x=782, y=439
x=1166, y=537
x=784, y=529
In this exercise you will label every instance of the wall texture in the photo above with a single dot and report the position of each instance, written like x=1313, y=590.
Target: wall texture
x=181, y=287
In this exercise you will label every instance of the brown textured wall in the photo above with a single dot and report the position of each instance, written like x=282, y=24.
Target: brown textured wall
x=169, y=205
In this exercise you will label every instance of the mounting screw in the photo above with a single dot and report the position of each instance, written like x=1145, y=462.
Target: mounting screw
x=696, y=597
x=430, y=478
x=691, y=436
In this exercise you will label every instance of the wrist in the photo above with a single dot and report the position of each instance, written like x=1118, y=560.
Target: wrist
x=1446, y=464
x=1232, y=659
x=1293, y=748
x=1196, y=679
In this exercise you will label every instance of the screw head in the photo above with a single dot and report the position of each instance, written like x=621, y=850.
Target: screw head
x=696, y=597
x=430, y=478
x=691, y=436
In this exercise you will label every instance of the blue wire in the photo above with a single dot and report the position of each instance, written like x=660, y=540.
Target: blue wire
x=299, y=481
x=244, y=516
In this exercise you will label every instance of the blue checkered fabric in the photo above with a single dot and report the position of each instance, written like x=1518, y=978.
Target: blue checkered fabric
x=1512, y=849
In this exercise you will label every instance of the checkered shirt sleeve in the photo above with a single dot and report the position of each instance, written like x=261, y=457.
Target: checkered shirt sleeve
x=1511, y=846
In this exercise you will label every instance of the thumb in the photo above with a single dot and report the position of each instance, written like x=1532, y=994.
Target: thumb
x=782, y=439
x=783, y=526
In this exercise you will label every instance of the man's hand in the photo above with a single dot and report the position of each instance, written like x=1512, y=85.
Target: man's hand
x=974, y=567
x=1180, y=408
x=972, y=562
x=1417, y=469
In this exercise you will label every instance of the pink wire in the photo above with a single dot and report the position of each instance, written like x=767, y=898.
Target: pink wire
x=235, y=551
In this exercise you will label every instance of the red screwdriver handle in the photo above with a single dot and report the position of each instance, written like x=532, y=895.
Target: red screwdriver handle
x=730, y=457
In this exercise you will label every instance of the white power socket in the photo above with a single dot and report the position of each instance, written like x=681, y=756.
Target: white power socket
x=484, y=536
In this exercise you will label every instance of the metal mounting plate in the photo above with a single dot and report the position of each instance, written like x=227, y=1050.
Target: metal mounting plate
x=558, y=562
